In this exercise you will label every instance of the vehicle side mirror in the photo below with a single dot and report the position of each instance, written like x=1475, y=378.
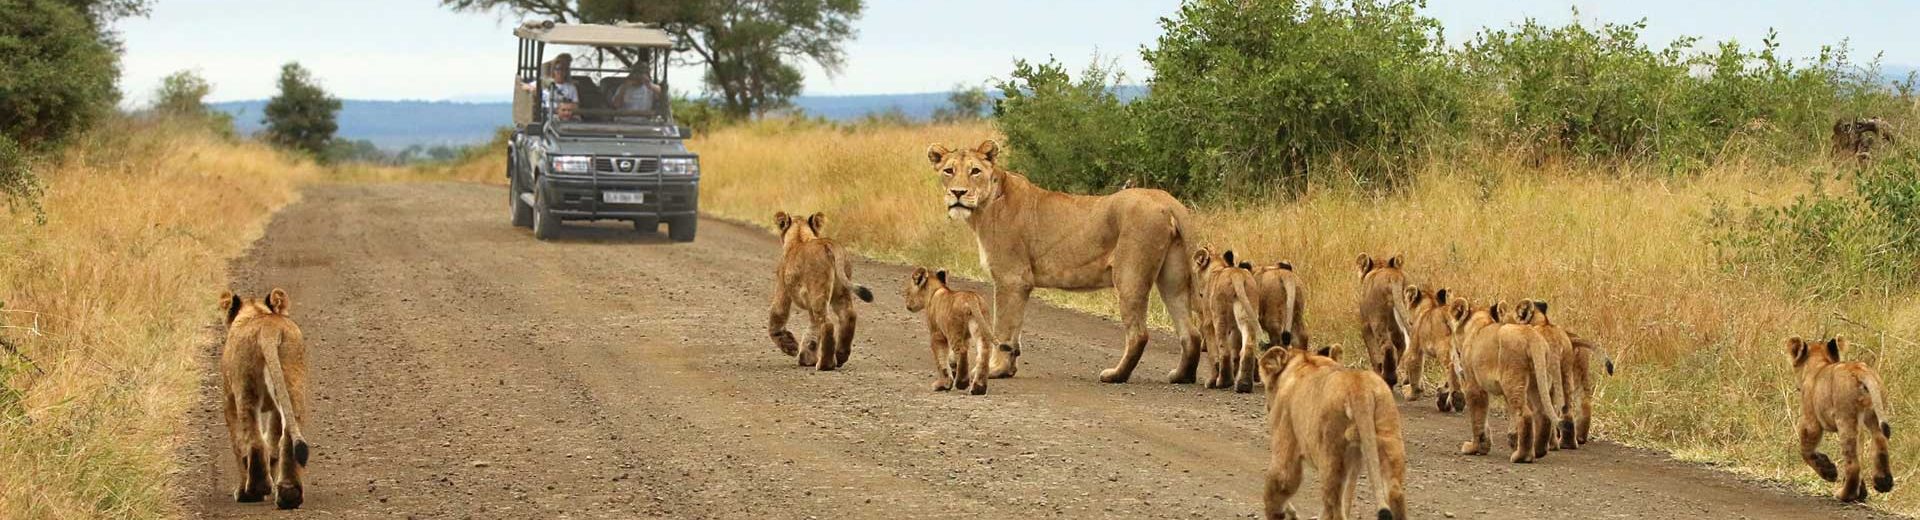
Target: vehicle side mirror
x=685, y=132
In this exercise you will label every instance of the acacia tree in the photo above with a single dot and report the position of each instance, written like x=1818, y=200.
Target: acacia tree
x=751, y=48
x=302, y=116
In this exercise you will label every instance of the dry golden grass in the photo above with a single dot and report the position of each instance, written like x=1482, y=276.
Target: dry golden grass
x=141, y=221
x=1703, y=371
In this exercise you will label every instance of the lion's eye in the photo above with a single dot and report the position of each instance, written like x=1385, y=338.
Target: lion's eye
x=949, y=171
x=976, y=171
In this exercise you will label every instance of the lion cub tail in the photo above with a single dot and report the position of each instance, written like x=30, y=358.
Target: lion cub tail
x=1582, y=343
x=1546, y=378
x=1367, y=429
x=1876, y=393
x=277, y=379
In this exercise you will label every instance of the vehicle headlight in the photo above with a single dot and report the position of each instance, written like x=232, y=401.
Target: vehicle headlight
x=572, y=164
x=680, y=166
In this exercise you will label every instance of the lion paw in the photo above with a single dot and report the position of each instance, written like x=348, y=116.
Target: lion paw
x=784, y=341
x=1115, y=376
x=1824, y=466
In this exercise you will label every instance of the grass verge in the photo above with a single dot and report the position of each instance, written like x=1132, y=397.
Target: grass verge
x=109, y=305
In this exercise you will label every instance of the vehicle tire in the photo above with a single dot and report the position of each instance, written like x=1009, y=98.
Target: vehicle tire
x=681, y=229
x=545, y=225
x=522, y=214
x=647, y=226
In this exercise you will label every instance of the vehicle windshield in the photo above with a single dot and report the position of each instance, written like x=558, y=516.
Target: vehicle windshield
x=604, y=87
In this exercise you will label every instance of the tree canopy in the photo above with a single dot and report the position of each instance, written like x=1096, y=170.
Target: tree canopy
x=752, y=49
x=301, y=117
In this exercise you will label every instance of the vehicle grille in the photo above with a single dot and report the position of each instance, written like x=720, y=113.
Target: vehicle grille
x=626, y=164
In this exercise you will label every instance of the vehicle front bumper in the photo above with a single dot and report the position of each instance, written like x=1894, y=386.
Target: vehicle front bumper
x=578, y=197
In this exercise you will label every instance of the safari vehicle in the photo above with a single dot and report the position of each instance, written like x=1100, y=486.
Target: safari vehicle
x=592, y=161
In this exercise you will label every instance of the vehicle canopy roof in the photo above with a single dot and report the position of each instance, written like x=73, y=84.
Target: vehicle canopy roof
x=596, y=35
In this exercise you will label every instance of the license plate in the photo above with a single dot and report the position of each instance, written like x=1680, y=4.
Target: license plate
x=623, y=197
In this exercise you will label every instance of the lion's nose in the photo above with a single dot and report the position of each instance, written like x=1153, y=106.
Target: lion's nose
x=958, y=193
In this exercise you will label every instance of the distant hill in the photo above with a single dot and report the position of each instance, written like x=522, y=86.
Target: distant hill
x=398, y=124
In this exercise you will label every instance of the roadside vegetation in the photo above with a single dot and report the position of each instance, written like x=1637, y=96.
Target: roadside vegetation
x=106, y=308
x=1682, y=204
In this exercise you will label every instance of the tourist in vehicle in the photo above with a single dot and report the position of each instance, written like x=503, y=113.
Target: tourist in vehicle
x=565, y=112
x=638, y=92
x=561, y=88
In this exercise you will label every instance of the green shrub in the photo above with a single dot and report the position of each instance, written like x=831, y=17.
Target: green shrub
x=1068, y=134
x=301, y=117
x=1252, y=94
x=58, y=73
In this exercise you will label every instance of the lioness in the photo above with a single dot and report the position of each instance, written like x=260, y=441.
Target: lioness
x=1132, y=241
x=1230, y=318
x=1576, y=385
x=1433, y=337
x=958, y=325
x=1512, y=361
x=1339, y=421
x=1384, y=316
x=814, y=274
x=1847, y=398
x=263, y=374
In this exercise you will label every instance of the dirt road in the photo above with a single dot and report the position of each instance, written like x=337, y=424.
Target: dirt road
x=463, y=369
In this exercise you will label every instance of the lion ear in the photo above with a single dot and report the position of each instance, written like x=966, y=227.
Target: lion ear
x=1272, y=362
x=229, y=305
x=1332, y=352
x=937, y=153
x=1413, y=295
x=1395, y=262
x=1440, y=297
x=919, y=277
x=1493, y=310
x=1540, y=305
x=1833, y=348
x=277, y=301
x=941, y=275
x=1202, y=258
x=816, y=222
x=1366, y=264
x=1797, y=348
x=1227, y=256
x=988, y=150
x=1524, y=312
x=782, y=220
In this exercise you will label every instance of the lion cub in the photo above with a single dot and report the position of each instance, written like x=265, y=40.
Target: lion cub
x=1230, y=318
x=814, y=274
x=960, y=328
x=1576, y=385
x=1340, y=421
x=1433, y=337
x=263, y=369
x=1512, y=361
x=1384, y=326
x=1846, y=398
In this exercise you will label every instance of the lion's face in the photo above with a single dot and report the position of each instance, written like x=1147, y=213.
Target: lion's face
x=969, y=179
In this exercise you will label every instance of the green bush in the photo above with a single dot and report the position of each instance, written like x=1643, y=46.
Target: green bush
x=1833, y=243
x=1258, y=94
x=1068, y=134
x=58, y=73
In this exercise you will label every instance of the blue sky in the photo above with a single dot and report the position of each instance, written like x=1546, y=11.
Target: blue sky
x=414, y=49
